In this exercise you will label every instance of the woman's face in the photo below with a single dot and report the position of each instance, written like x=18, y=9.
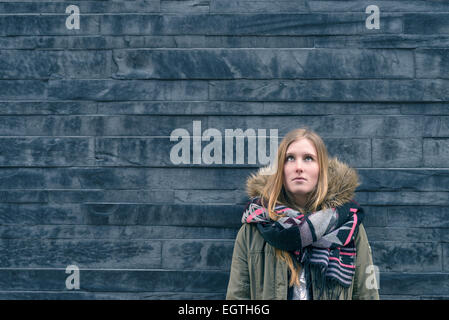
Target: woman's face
x=301, y=170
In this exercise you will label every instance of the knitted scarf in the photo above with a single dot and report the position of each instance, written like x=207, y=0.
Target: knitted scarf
x=322, y=242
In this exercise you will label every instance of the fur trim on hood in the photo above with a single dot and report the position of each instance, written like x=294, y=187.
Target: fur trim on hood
x=342, y=182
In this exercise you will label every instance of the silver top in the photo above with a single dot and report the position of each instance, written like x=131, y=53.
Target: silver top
x=300, y=292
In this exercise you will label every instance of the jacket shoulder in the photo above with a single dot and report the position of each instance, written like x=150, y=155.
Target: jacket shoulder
x=361, y=240
x=251, y=238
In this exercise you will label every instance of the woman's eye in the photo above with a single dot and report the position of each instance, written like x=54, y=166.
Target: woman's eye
x=289, y=157
x=309, y=157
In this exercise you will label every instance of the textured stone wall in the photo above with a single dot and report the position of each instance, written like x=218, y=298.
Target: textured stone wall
x=86, y=177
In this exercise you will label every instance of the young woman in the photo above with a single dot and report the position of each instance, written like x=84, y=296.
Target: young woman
x=302, y=236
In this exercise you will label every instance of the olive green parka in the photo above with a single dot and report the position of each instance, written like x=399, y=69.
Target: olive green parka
x=256, y=272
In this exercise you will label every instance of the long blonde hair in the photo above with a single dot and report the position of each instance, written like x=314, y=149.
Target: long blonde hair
x=275, y=192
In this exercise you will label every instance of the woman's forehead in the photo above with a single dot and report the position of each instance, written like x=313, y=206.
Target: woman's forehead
x=302, y=145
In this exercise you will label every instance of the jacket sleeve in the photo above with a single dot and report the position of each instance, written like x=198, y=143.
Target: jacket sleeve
x=239, y=285
x=365, y=278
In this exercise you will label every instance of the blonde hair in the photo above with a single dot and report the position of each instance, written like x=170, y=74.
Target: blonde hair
x=275, y=192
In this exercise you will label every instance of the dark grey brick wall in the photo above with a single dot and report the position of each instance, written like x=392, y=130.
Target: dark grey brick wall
x=86, y=115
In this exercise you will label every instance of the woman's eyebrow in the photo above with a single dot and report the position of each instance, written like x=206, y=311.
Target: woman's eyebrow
x=305, y=154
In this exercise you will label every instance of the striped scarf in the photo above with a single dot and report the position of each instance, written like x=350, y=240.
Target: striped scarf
x=322, y=242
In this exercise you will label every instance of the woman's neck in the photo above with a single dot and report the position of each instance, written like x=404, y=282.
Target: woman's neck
x=289, y=201
x=298, y=201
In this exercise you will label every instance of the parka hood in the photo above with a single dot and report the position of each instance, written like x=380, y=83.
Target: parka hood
x=342, y=182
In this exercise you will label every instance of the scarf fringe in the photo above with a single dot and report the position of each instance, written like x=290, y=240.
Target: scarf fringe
x=328, y=288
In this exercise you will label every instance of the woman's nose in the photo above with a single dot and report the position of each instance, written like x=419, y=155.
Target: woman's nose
x=299, y=166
